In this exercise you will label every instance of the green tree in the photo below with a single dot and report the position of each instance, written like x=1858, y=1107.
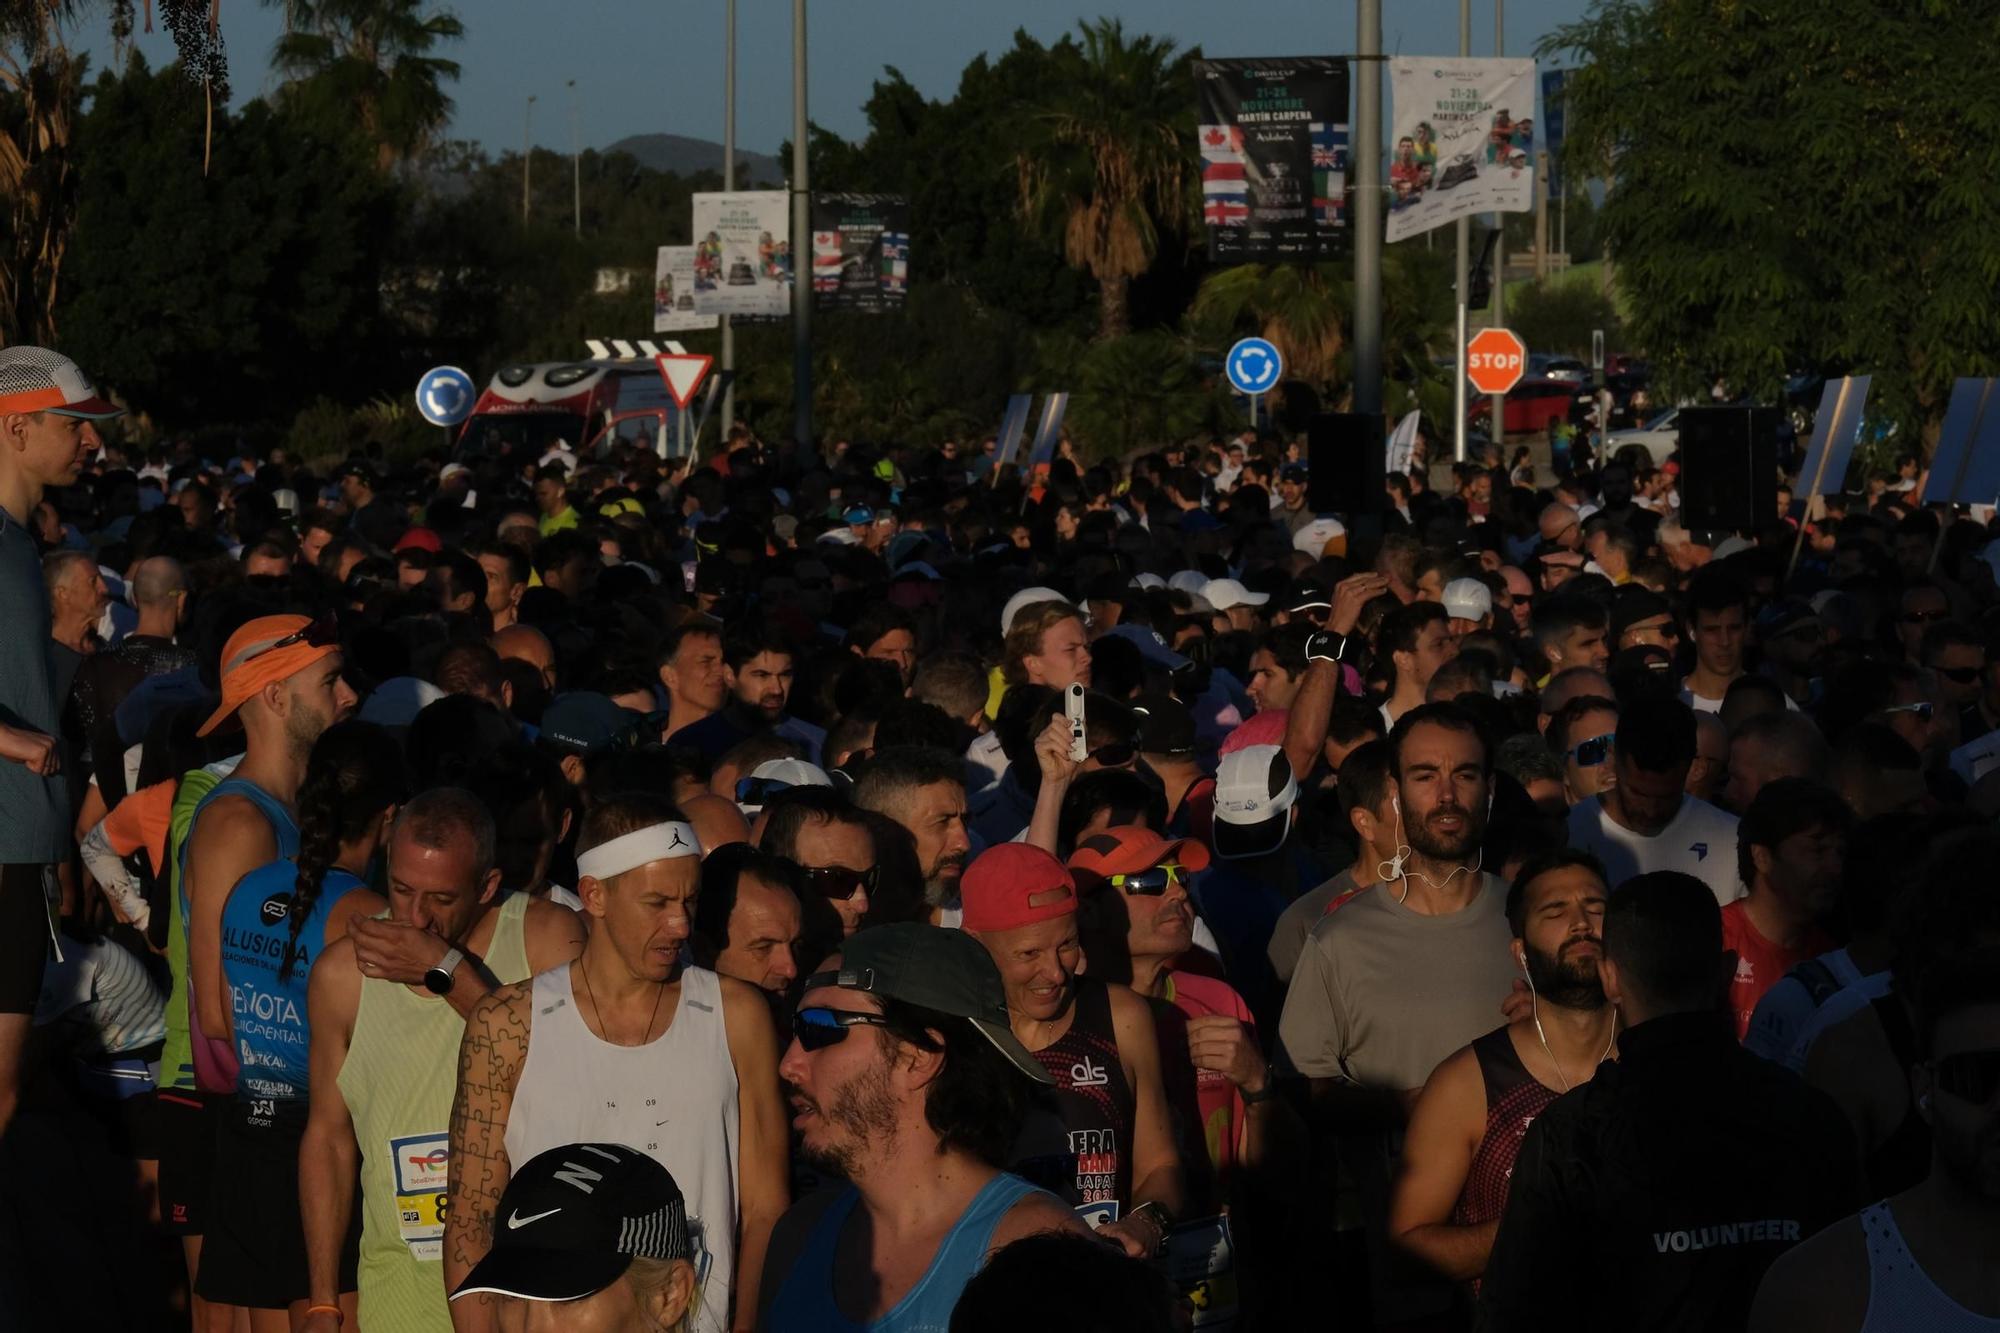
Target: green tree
x=1303, y=309
x=40, y=88
x=373, y=64
x=1558, y=314
x=1798, y=186
x=1106, y=160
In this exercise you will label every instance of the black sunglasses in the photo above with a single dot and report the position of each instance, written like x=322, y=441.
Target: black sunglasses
x=1922, y=617
x=820, y=1027
x=759, y=791
x=1115, y=755
x=1970, y=1076
x=1959, y=675
x=838, y=883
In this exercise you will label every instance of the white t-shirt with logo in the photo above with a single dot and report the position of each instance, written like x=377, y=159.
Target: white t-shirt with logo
x=1701, y=841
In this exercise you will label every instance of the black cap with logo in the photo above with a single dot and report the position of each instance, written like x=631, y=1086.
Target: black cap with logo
x=572, y=1219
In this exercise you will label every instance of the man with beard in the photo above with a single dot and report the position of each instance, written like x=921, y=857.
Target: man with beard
x=906, y=1081
x=1104, y=1143
x=1468, y=1123
x=1924, y=1258
x=1789, y=852
x=1402, y=976
x=281, y=682
x=924, y=790
x=1645, y=820
x=629, y=1044
x=758, y=665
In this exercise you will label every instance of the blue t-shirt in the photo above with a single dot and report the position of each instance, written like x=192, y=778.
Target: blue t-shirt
x=272, y=1043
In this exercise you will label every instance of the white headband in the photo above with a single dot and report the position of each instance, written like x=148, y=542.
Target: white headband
x=660, y=842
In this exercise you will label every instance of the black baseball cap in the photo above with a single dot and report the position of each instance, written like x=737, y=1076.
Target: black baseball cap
x=585, y=722
x=1305, y=594
x=1165, y=725
x=572, y=1219
x=946, y=971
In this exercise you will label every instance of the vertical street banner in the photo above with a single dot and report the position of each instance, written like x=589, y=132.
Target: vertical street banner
x=673, y=292
x=1461, y=140
x=1273, y=138
x=860, y=252
x=1552, y=125
x=743, y=253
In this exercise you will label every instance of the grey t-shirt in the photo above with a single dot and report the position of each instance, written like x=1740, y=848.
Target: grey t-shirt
x=35, y=830
x=1382, y=994
x=1295, y=923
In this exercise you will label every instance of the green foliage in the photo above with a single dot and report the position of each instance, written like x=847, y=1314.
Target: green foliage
x=1140, y=391
x=1798, y=186
x=370, y=64
x=324, y=433
x=1558, y=314
x=226, y=298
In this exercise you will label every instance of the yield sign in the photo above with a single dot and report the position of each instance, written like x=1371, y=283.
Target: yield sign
x=1495, y=360
x=683, y=374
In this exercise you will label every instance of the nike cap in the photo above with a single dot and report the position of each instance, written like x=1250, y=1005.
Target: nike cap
x=572, y=1220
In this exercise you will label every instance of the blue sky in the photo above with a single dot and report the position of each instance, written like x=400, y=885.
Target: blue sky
x=655, y=66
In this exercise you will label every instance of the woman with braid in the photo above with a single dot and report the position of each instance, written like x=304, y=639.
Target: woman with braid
x=278, y=920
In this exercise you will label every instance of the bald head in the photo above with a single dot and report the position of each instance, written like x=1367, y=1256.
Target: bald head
x=525, y=643
x=1573, y=684
x=157, y=582
x=1560, y=527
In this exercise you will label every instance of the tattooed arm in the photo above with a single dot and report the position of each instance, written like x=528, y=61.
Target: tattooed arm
x=329, y=1157
x=489, y=1066
x=762, y=1155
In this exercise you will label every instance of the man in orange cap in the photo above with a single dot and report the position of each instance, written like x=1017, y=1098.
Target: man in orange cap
x=1140, y=921
x=281, y=682
x=1104, y=1143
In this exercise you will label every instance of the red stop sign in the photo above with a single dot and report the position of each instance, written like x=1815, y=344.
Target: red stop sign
x=1495, y=360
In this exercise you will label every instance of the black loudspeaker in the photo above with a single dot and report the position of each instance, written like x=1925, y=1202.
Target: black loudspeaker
x=1347, y=452
x=1729, y=467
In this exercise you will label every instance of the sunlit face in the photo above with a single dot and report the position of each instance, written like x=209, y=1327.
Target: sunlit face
x=315, y=698
x=437, y=889
x=1038, y=965
x=842, y=1097
x=898, y=648
x=1159, y=925
x=1562, y=935
x=1718, y=640
x=764, y=683
x=825, y=842
x=310, y=545
x=1443, y=787
x=1064, y=659
x=501, y=592
x=696, y=673
x=618, y=1308
x=646, y=913
x=48, y=447
x=1582, y=780
x=1436, y=645
x=764, y=931
x=1271, y=687
x=937, y=823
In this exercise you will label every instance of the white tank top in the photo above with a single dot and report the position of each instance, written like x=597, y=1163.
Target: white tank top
x=673, y=1099
x=1901, y=1296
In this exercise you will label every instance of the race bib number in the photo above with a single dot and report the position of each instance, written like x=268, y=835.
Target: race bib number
x=1201, y=1260
x=422, y=1163
x=1100, y=1214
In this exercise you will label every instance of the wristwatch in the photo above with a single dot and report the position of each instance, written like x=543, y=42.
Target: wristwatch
x=437, y=977
x=1325, y=646
x=1158, y=1215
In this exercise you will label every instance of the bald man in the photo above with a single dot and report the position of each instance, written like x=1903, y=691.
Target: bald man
x=1561, y=527
x=525, y=643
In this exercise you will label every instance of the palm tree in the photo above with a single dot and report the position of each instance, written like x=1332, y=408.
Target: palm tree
x=1302, y=308
x=40, y=88
x=371, y=63
x=1106, y=163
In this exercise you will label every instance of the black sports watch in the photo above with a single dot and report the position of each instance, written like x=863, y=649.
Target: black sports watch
x=437, y=977
x=1325, y=646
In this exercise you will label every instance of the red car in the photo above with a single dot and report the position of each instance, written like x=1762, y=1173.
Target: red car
x=1531, y=406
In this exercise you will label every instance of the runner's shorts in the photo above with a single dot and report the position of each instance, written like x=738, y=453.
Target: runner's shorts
x=184, y=1137
x=253, y=1250
x=24, y=936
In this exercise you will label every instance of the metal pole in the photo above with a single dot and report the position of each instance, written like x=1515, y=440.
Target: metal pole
x=527, y=154
x=1499, y=248
x=1368, y=208
x=575, y=163
x=728, y=184
x=1458, y=403
x=802, y=365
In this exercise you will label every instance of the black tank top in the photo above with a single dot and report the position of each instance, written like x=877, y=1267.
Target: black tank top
x=1904, y=1158
x=1514, y=1097
x=1077, y=1140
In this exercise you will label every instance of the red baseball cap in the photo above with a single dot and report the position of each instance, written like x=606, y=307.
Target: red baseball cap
x=1130, y=848
x=1014, y=885
x=419, y=539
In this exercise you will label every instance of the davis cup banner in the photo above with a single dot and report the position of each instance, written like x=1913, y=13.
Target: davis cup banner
x=673, y=292
x=1273, y=137
x=860, y=251
x=743, y=253
x=1462, y=141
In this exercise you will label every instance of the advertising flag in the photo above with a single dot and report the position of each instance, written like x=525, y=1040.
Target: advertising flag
x=1462, y=141
x=1552, y=125
x=1273, y=142
x=673, y=292
x=743, y=253
x=860, y=251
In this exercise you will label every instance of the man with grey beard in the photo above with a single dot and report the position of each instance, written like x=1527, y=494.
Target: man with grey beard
x=923, y=790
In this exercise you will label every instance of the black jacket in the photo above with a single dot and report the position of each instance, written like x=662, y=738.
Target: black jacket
x=1655, y=1196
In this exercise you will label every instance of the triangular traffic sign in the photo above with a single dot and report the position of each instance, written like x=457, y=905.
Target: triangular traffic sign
x=683, y=375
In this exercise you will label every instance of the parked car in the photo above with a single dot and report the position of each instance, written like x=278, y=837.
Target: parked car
x=1531, y=406
x=1565, y=368
x=1660, y=436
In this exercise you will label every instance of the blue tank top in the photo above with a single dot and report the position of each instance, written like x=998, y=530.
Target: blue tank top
x=270, y=1013
x=804, y=1304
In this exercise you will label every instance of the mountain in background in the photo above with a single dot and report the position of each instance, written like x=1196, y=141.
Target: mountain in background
x=684, y=157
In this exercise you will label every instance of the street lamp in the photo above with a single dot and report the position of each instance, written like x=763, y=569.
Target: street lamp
x=527, y=154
